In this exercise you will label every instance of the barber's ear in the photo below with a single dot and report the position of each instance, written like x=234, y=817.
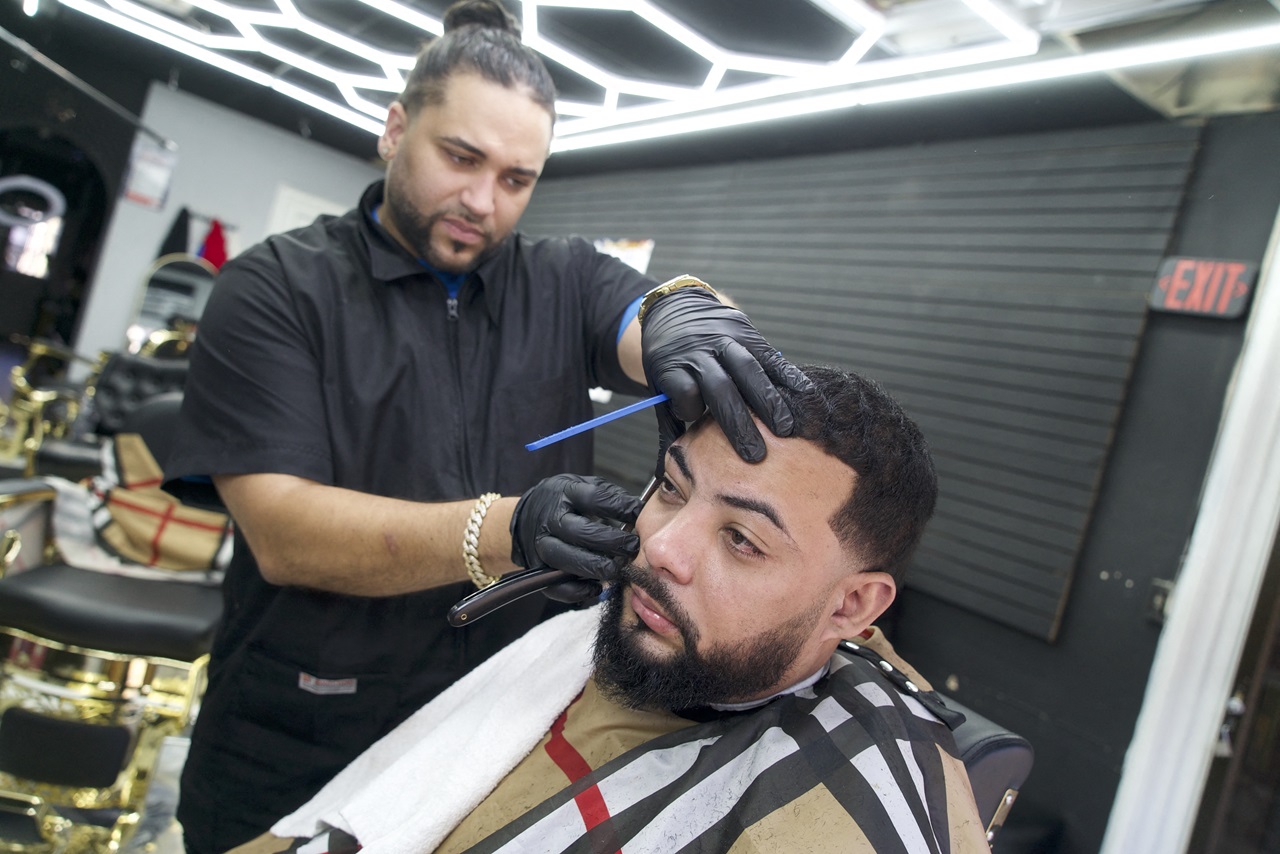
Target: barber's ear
x=397, y=123
x=865, y=596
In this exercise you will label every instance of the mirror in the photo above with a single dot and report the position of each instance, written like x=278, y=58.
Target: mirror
x=53, y=200
x=176, y=287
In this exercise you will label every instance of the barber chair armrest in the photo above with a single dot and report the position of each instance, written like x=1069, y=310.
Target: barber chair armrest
x=26, y=524
x=998, y=762
x=72, y=459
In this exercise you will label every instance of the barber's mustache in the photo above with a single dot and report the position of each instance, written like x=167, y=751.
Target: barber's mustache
x=466, y=216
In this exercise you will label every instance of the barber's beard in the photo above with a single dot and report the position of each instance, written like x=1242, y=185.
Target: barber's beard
x=416, y=228
x=629, y=672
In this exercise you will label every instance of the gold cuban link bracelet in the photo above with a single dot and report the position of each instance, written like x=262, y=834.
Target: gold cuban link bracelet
x=471, y=541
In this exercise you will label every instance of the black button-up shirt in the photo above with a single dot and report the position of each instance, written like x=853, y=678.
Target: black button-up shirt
x=330, y=353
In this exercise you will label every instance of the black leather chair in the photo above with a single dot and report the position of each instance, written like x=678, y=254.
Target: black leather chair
x=125, y=381
x=96, y=670
x=998, y=762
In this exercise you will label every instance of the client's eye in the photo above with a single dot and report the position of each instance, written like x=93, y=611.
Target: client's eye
x=739, y=543
x=667, y=490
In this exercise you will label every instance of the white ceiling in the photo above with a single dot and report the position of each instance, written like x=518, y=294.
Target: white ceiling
x=640, y=69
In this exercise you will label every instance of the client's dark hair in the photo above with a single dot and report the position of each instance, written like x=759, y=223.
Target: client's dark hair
x=856, y=421
x=483, y=37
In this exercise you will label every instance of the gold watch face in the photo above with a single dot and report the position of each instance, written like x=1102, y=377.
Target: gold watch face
x=684, y=281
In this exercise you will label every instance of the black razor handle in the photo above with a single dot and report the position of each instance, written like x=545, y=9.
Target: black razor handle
x=517, y=585
x=513, y=586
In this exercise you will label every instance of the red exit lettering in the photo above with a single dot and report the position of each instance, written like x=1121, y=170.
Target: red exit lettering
x=1203, y=286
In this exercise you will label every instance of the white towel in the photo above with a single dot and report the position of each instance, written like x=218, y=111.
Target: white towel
x=413, y=786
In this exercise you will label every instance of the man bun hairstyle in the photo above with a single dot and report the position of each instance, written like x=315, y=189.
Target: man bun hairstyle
x=482, y=13
x=481, y=37
x=856, y=421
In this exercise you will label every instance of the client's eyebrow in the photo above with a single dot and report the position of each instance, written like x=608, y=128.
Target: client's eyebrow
x=676, y=452
x=751, y=505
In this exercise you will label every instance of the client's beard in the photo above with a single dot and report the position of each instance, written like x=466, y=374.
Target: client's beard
x=629, y=673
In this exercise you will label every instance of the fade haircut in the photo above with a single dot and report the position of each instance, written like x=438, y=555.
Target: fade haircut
x=480, y=36
x=856, y=421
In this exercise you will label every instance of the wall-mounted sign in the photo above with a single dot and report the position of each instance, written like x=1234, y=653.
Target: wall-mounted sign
x=1205, y=286
x=150, y=174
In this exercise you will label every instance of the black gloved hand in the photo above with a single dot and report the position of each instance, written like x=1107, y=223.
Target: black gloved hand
x=705, y=355
x=563, y=523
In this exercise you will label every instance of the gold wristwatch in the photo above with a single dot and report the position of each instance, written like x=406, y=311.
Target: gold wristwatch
x=669, y=287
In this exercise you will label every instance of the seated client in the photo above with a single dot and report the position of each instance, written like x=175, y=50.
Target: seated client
x=714, y=702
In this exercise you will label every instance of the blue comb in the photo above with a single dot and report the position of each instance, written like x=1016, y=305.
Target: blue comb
x=596, y=422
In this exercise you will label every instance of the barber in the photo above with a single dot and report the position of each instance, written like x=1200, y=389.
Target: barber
x=360, y=393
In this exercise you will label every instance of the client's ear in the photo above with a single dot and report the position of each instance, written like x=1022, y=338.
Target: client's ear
x=864, y=597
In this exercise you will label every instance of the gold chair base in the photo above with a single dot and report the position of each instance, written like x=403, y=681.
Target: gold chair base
x=151, y=698
x=36, y=828
x=31, y=826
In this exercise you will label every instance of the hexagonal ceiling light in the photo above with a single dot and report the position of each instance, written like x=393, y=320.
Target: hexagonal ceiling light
x=277, y=44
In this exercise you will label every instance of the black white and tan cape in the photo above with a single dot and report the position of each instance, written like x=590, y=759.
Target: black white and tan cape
x=859, y=761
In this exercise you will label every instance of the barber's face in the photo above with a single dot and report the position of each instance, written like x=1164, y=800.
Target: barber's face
x=741, y=588
x=461, y=172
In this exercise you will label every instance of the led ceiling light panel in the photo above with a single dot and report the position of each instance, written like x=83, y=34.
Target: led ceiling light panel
x=963, y=81
x=280, y=44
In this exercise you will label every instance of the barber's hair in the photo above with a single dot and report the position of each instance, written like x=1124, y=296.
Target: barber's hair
x=480, y=36
x=856, y=421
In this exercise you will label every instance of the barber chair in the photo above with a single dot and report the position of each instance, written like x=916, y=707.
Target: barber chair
x=96, y=670
x=998, y=762
x=172, y=342
x=41, y=404
x=125, y=381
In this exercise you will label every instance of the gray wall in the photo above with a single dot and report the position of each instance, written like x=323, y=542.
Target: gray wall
x=229, y=167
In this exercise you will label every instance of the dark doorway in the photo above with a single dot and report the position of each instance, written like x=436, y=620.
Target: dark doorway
x=47, y=262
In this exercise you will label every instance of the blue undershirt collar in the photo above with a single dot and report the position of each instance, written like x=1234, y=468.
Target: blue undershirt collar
x=451, y=281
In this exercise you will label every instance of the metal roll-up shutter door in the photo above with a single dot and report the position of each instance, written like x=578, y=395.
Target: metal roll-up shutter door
x=997, y=287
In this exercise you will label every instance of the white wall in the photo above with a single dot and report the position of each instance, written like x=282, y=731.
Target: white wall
x=229, y=166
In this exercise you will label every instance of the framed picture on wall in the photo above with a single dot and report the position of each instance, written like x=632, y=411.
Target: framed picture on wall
x=294, y=208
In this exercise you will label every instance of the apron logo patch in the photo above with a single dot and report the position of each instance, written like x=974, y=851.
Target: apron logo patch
x=316, y=685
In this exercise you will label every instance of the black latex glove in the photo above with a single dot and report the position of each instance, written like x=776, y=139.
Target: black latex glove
x=563, y=523
x=705, y=355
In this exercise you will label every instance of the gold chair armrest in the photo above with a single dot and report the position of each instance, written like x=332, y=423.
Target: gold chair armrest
x=15, y=522
x=168, y=343
x=14, y=493
x=10, y=548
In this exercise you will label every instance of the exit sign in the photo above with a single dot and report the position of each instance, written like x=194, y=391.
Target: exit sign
x=1206, y=286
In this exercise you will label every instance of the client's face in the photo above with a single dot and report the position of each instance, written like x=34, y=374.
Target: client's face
x=739, y=575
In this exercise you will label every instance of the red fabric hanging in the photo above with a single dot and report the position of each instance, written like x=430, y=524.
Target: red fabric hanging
x=214, y=247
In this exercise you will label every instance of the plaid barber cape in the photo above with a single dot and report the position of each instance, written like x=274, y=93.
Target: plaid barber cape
x=857, y=762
